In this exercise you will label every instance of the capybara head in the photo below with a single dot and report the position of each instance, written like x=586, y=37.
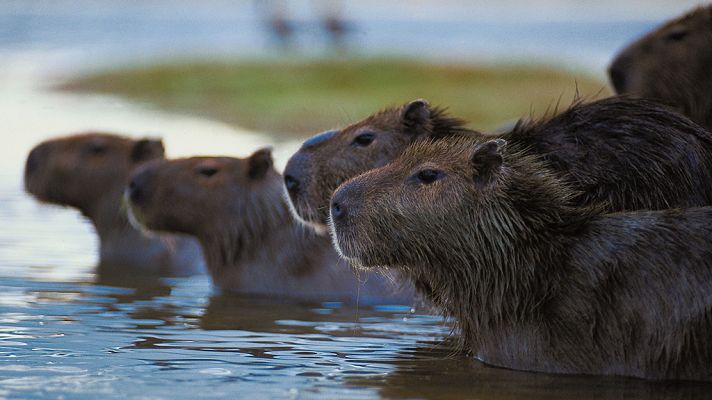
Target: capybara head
x=86, y=170
x=330, y=158
x=201, y=195
x=436, y=199
x=671, y=64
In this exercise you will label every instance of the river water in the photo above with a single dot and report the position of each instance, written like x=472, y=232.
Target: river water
x=68, y=332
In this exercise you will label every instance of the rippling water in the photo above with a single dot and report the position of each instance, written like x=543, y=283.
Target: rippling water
x=67, y=331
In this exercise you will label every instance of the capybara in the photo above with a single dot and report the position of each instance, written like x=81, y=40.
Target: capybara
x=535, y=281
x=672, y=64
x=89, y=172
x=252, y=244
x=628, y=153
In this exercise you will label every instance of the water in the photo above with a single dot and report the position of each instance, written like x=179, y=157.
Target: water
x=67, y=331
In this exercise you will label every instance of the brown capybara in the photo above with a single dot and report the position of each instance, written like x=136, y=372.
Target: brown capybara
x=672, y=65
x=252, y=245
x=89, y=172
x=629, y=153
x=535, y=281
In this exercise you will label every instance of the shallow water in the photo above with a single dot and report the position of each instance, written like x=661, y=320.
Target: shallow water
x=67, y=331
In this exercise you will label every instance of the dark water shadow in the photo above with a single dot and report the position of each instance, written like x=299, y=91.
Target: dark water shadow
x=433, y=371
x=262, y=314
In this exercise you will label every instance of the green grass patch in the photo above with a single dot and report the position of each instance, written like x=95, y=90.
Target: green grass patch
x=304, y=97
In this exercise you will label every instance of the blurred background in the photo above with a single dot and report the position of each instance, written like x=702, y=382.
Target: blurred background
x=292, y=68
x=228, y=76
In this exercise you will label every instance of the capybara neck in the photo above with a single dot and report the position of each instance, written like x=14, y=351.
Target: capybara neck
x=122, y=245
x=270, y=254
x=261, y=238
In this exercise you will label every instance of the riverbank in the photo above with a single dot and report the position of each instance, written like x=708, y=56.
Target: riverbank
x=296, y=98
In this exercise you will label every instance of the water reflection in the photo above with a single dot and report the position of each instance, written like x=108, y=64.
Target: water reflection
x=74, y=330
x=431, y=371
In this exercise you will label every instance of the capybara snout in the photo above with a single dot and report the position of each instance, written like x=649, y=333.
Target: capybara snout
x=139, y=185
x=299, y=184
x=35, y=158
x=618, y=73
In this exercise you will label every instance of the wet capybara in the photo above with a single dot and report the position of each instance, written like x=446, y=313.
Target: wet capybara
x=672, y=64
x=252, y=245
x=629, y=153
x=89, y=172
x=535, y=281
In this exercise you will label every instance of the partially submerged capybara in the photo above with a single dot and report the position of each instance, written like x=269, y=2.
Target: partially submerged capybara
x=89, y=172
x=629, y=153
x=535, y=281
x=672, y=64
x=235, y=207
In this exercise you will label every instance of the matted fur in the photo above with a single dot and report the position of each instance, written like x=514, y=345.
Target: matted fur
x=627, y=153
x=89, y=172
x=671, y=64
x=534, y=281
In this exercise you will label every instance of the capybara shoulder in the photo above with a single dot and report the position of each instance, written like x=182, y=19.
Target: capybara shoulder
x=88, y=172
x=630, y=154
x=236, y=209
x=671, y=64
x=535, y=281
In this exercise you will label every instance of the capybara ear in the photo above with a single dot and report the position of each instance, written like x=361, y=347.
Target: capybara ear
x=147, y=149
x=415, y=117
x=487, y=160
x=259, y=163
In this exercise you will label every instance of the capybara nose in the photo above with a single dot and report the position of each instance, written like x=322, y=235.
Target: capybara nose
x=34, y=159
x=137, y=188
x=338, y=211
x=291, y=183
x=618, y=77
x=338, y=205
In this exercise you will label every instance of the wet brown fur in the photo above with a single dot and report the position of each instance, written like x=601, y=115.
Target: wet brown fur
x=89, y=172
x=628, y=153
x=672, y=65
x=535, y=281
x=236, y=209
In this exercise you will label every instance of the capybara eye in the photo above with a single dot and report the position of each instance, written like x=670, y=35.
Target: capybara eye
x=364, y=139
x=428, y=176
x=207, y=171
x=676, y=36
x=96, y=149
